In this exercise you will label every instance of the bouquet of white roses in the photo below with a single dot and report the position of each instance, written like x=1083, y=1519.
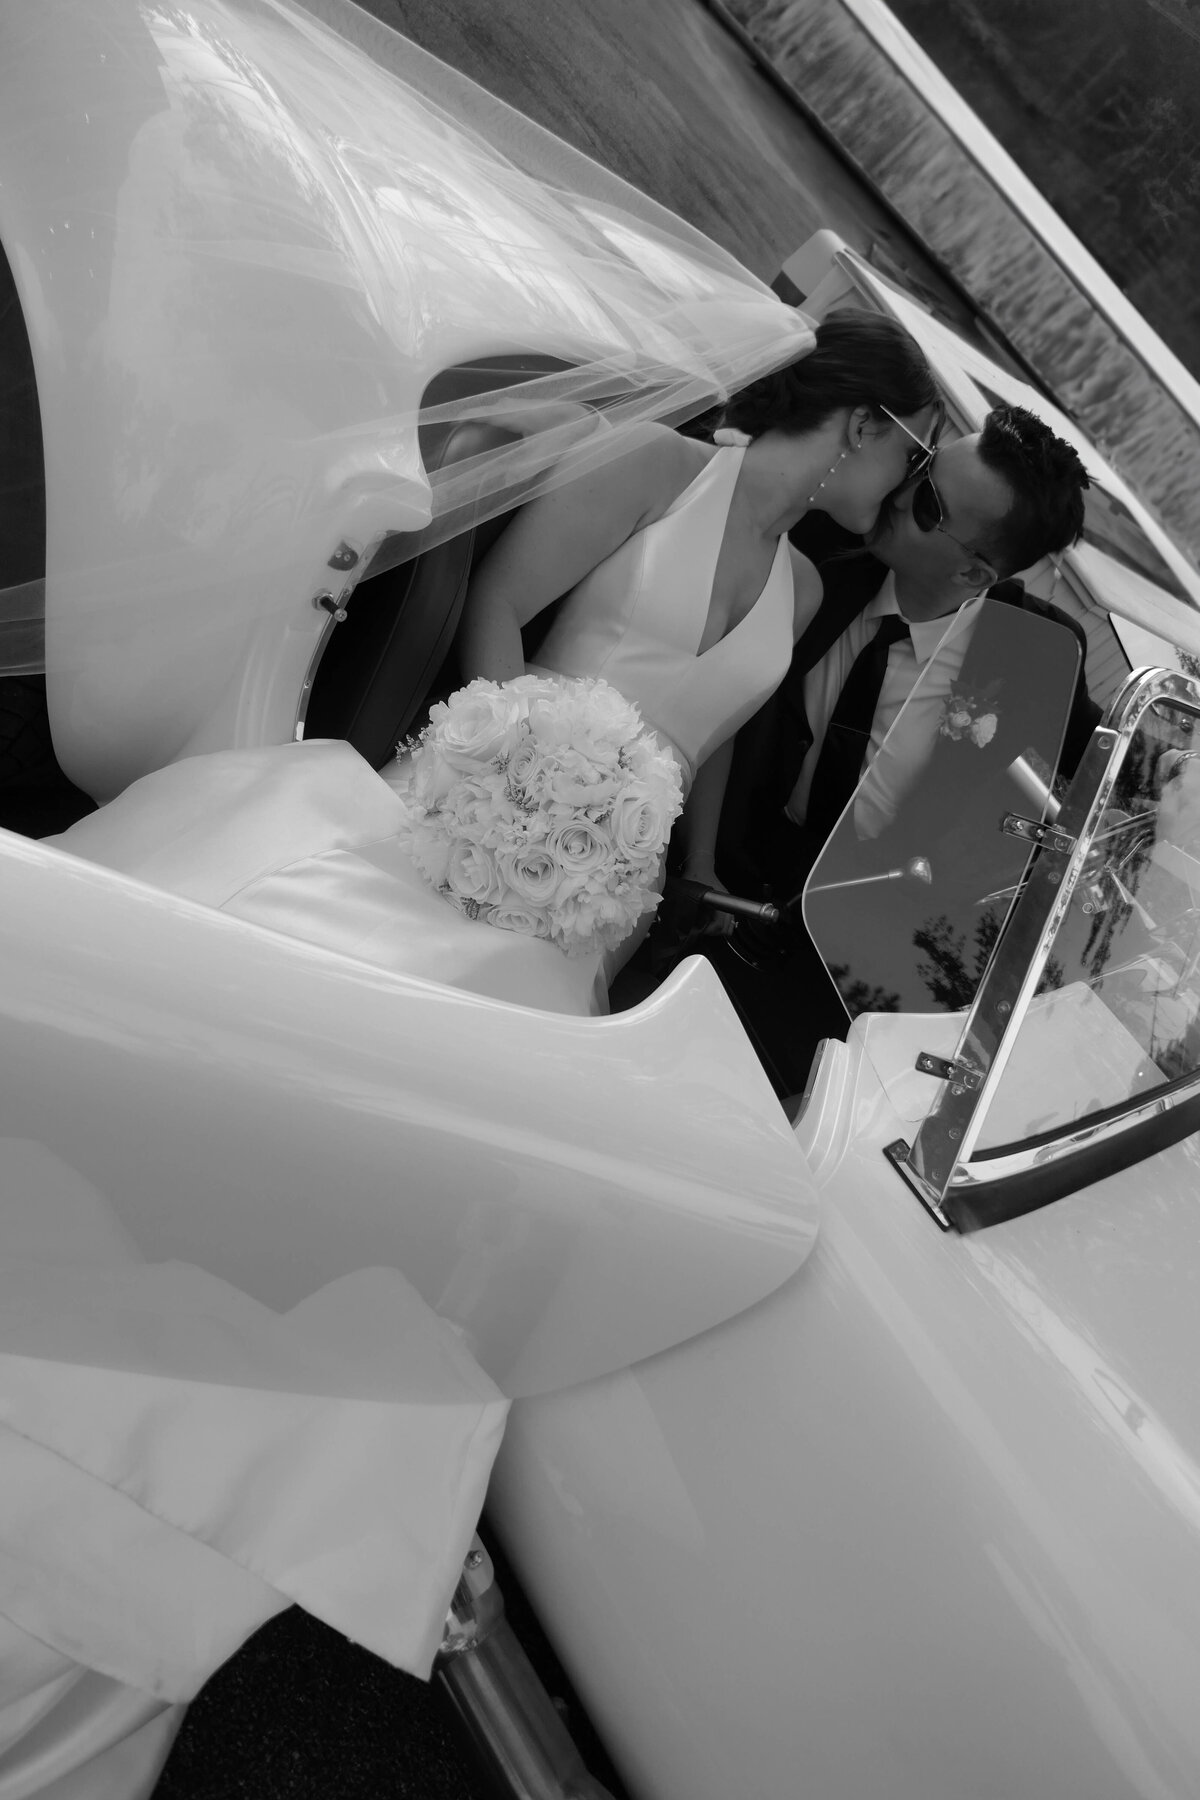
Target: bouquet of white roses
x=542, y=805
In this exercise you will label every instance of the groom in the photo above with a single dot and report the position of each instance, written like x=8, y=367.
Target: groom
x=984, y=507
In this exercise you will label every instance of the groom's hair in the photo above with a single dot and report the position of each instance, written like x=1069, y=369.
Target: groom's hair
x=1047, y=480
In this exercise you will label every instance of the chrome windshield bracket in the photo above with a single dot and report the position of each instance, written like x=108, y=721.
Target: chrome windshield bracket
x=897, y=1154
x=959, y=1073
x=1037, y=831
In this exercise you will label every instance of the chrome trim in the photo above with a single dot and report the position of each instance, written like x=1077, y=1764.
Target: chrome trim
x=939, y=1160
x=335, y=616
x=945, y=1136
x=899, y=1156
x=512, y=1721
x=344, y=558
x=995, y=1167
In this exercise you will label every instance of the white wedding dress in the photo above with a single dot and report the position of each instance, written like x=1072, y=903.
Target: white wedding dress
x=180, y=1461
x=302, y=838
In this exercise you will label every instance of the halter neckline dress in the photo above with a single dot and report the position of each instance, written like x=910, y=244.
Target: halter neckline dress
x=638, y=618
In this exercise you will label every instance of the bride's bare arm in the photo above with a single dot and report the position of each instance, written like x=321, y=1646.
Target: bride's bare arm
x=702, y=814
x=555, y=540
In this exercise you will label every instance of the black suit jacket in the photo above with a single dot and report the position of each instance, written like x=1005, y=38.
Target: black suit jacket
x=771, y=747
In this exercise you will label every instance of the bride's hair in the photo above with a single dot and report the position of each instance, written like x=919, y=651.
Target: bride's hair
x=860, y=359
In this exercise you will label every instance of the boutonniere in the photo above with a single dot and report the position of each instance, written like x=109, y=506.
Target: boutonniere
x=973, y=716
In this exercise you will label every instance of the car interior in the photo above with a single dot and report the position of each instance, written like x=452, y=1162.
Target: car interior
x=382, y=662
x=386, y=655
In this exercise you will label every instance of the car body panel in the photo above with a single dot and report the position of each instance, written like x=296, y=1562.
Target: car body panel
x=923, y=1523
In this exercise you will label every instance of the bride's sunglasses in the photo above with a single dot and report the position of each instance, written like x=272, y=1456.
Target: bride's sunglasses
x=928, y=513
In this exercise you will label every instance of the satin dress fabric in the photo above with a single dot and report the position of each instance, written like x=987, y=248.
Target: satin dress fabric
x=639, y=616
x=178, y=1463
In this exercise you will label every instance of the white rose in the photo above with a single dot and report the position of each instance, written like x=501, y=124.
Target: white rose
x=639, y=824
x=510, y=915
x=471, y=873
x=531, y=872
x=984, y=729
x=526, y=764
x=481, y=722
x=580, y=847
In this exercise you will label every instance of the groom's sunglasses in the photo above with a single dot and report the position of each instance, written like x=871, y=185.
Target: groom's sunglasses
x=928, y=513
x=920, y=460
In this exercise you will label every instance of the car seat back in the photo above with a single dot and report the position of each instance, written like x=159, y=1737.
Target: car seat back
x=394, y=649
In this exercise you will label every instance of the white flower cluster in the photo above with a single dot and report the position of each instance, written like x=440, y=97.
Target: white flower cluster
x=543, y=806
x=961, y=718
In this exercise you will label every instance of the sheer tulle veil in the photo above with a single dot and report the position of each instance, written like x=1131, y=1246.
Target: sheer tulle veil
x=248, y=240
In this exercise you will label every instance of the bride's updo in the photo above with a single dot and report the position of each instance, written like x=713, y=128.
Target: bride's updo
x=860, y=359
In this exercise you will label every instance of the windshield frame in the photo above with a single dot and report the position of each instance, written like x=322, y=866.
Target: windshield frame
x=965, y=1189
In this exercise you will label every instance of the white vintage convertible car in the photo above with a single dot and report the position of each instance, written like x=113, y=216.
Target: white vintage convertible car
x=856, y=1449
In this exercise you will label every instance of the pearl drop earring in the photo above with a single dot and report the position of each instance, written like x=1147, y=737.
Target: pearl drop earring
x=833, y=468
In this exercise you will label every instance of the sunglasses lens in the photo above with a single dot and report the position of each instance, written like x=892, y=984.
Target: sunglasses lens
x=926, y=507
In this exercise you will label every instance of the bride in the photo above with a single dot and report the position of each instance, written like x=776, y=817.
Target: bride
x=678, y=586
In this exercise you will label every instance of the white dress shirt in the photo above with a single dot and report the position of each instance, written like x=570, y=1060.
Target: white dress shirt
x=934, y=649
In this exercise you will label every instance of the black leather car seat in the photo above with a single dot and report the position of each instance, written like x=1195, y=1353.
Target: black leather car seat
x=393, y=651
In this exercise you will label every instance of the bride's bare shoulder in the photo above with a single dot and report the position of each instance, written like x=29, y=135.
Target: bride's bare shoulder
x=664, y=461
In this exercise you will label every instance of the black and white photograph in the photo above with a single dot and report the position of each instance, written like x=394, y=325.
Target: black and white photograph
x=599, y=900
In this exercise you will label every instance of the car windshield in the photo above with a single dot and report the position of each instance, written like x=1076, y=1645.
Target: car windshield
x=1117, y=1013
x=908, y=899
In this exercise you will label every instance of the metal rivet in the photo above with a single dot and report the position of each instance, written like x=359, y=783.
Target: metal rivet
x=1003, y=1007
x=473, y=1559
x=954, y=1132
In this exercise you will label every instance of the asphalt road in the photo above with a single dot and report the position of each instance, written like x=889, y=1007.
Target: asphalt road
x=662, y=93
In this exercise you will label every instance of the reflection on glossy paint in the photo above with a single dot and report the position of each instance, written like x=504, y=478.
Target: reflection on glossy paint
x=1114, y=1407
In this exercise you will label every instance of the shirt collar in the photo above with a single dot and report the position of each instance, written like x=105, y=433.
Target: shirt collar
x=926, y=634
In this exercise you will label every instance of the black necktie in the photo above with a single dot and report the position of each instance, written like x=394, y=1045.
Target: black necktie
x=848, y=733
